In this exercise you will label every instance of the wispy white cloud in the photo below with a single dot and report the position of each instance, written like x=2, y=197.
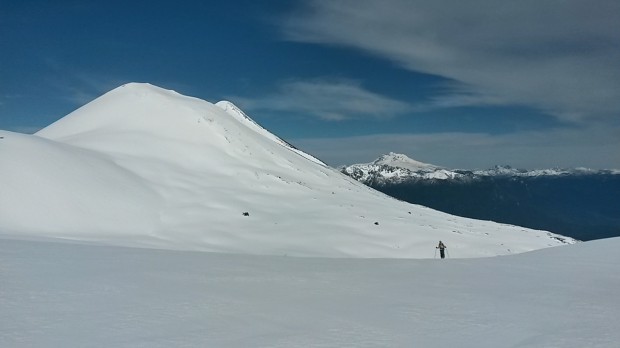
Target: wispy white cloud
x=80, y=87
x=332, y=100
x=77, y=86
x=594, y=147
x=558, y=56
x=6, y=98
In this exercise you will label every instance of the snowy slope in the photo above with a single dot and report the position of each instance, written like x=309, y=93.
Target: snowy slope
x=147, y=167
x=234, y=111
x=64, y=295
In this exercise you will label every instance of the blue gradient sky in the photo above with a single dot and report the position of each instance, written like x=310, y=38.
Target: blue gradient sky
x=532, y=84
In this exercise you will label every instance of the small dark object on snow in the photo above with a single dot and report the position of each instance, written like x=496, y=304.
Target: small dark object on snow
x=245, y=213
x=441, y=248
x=376, y=223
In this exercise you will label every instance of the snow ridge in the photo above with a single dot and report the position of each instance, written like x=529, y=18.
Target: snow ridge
x=234, y=111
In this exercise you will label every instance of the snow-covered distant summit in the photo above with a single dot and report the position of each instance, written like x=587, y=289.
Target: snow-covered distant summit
x=402, y=161
x=397, y=168
x=147, y=167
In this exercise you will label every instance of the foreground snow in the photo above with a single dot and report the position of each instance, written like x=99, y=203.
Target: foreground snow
x=146, y=167
x=69, y=295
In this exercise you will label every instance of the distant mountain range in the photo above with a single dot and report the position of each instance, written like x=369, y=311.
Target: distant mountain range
x=581, y=203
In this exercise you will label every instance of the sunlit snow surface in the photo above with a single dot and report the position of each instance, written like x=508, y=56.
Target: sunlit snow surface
x=68, y=295
x=142, y=166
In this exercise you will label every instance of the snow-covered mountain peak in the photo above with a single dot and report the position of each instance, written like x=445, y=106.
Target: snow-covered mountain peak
x=133, y=107
x=151, y=113
x=402, y=161
x=395, y=167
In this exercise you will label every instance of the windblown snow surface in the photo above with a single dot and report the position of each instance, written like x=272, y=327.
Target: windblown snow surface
x=147, y=167
x=67, y=295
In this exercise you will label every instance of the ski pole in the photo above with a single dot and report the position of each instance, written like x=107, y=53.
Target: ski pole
x=435, y=254
x=447, y=252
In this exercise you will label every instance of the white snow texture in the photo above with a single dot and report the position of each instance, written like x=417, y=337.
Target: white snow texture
x=66, y=295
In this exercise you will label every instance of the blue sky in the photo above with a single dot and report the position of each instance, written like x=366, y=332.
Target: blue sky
x=532, y=84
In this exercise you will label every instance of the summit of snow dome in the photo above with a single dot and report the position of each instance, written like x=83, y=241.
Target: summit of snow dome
x=130, y=107
x=142, y=166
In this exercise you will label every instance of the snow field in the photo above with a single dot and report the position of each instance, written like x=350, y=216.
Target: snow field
x=76, y=295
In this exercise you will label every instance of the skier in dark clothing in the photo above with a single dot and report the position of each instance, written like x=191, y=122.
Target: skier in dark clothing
x=442, y=248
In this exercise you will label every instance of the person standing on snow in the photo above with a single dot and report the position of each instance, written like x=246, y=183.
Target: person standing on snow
x=441, y=248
